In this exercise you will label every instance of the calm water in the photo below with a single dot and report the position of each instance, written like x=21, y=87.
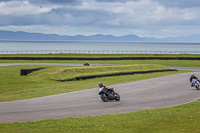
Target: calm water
x=111, y=46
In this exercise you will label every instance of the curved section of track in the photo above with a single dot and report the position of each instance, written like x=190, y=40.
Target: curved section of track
x=140, y=95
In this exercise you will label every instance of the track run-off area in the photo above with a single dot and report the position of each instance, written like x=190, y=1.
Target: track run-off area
x=152, y=93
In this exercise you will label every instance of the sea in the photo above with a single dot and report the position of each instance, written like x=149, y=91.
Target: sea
x=44, y=47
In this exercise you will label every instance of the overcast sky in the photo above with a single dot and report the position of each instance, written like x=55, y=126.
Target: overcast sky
x=145, y=18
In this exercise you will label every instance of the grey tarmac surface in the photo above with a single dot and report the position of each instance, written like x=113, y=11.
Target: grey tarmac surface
x=140, y=95
x=53, y=64
x=186, y=68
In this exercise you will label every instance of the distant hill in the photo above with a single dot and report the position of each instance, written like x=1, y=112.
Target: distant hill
x=25, y=36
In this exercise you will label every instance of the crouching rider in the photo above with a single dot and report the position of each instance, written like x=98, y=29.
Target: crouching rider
x=105, y=87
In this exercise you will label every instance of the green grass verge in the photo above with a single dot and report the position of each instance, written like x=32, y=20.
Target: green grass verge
x=178, y=119
x=16, y=87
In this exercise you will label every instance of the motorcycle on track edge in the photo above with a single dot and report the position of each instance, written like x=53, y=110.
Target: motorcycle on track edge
x=106, y=94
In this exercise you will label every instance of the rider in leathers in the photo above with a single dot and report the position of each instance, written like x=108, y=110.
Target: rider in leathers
x=105, y=87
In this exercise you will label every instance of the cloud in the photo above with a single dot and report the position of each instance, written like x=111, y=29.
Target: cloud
x=179, y=3
x=166, y=3
x=49, y=1
x=121, y=1
x=65, y=1
x=117, y=17
x=21, y=8
x=140, y=13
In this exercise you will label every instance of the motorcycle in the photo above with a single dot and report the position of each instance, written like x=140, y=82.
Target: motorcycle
x=195, y=83
x=106, y=94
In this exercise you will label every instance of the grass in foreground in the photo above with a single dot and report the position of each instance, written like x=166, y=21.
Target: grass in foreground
x=178, y=119
x=16, y=87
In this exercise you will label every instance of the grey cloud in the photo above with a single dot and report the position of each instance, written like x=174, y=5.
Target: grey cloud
x=59, y=16
x=58, y=1
x=75, y=2
x=64, y=1
x=166, y=3
x=108, y=16
x=179, y=3
x=122, y=1
x=76, y=16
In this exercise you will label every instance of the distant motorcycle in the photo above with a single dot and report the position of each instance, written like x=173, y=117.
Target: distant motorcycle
x=106, y=94
x=86, y=64
x=195, y=83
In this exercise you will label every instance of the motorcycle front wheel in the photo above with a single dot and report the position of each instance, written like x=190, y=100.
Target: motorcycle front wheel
x=197, y=87
x=104, y=97
x=117, y=97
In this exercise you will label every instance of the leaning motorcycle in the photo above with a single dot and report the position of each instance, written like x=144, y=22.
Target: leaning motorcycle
x=106, y=94
x=195, y=83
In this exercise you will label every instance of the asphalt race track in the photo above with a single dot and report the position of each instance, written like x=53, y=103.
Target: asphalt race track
x=140, y=95
x=53, y=64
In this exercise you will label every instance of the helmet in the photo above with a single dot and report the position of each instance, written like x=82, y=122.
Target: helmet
x=192, y=75
x=100, y=84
